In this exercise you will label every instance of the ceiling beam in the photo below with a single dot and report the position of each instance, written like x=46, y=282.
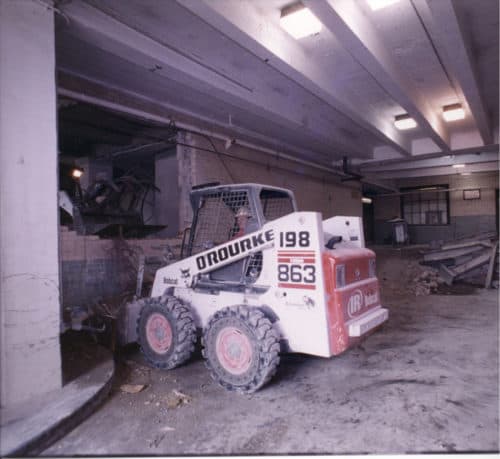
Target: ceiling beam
x=464, y=151
x=274, y=46
x=448, y=160
x=358, y=35
x=95, y=27
x=443, y=26
x=389, y=185
x=433, y=171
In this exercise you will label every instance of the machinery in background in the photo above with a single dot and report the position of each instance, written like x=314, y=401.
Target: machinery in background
x=107, y=207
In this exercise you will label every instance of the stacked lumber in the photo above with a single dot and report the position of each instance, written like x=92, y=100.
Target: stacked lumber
x=471, y=259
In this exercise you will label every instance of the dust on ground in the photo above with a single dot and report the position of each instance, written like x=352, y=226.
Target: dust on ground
x=426, y=381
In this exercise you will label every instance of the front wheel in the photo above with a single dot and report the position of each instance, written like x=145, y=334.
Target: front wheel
x=166, y=332
x=241, y=348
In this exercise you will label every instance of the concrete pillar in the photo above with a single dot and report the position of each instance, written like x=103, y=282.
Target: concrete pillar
x=166, y=202
x=185, y=164
x=29, y=267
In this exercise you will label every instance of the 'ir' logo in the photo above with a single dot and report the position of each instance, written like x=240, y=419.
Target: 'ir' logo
x=355, y=303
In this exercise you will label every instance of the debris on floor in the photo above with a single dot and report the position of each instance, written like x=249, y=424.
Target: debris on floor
x=132, y=388
x=407, y=276
x=474, y=260
x=177, y=398
x=427, y=282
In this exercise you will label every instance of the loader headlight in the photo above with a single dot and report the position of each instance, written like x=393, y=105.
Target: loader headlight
x=372, y=267
x=340, y=276
x=76, y=172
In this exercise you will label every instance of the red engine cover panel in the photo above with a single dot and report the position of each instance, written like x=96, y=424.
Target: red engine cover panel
x=358, y=296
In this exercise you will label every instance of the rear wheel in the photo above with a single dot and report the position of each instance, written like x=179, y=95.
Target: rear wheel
x=241, y=348
x=166, y=332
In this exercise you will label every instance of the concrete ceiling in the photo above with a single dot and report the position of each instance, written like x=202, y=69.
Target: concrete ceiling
x=228, y=66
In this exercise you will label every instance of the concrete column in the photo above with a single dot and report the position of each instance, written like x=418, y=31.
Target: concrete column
x=185, y=180
x=29, y=267
x=166, y=202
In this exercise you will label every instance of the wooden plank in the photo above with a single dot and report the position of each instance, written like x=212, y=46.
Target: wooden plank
x=452, y=253
x=489, y=276
x=460, y=245
x=447, y=274
x=478, y=237
x=470, y=265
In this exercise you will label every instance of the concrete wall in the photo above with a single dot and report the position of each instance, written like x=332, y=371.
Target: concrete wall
x=314, y=189
x=467, y=217
x=29, y=268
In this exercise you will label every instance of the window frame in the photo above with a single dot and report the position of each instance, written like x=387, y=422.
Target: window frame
x=439, y=188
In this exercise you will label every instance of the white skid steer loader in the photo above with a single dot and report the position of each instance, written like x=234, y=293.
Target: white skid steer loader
x=259, y=278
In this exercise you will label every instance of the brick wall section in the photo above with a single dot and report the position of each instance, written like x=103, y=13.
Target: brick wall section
x=95, y=269
x=467, y=217
x=458, y=206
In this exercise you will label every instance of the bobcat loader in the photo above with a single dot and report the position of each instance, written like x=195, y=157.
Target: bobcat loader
x=259, y=278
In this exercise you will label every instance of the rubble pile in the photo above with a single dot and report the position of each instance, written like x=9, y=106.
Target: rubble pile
x=474, y=260
x=408, y=276
x=427, y=282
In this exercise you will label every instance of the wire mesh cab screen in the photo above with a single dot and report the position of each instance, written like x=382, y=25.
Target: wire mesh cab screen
x=221, y=215
x=216, y=221
x=275, y=204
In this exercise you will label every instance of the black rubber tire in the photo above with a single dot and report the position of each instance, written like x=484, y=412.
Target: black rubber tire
x=264, y=340
x=182, y=327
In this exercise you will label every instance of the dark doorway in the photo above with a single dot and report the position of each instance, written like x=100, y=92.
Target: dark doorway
x=497, y=195
x=368, y=222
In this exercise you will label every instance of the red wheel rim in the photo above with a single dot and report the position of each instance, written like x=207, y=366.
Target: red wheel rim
x=159, y=333
x=234, y=350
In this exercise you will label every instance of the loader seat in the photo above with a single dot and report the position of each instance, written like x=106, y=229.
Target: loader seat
x=237, y=271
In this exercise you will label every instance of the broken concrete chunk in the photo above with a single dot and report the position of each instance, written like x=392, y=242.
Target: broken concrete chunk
x=132, y=388
x=177, y=398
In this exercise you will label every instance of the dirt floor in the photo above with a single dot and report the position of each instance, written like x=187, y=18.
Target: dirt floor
x=427, y=381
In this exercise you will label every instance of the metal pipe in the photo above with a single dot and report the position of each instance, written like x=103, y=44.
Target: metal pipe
x=186, y=126
x=431, y=188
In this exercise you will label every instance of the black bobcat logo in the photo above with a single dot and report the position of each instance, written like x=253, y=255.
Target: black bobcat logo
x=185, y=273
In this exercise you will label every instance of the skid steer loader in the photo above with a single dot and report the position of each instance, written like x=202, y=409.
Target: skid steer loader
x=259, y=278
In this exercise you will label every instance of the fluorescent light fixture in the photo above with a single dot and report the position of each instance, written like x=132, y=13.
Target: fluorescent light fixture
x=298, y=21
x=366, y=200
x=76, y=173
x=379, y=4
x=458, y=166
x=403, y=122
x=453, y=112
x=465, y=173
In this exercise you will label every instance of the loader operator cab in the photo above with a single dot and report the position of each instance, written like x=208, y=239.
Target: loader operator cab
x=225, y=212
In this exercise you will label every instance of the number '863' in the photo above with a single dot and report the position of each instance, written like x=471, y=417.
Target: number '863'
x=297, y=273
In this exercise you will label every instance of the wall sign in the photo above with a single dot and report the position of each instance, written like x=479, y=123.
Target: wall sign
x=472, y=194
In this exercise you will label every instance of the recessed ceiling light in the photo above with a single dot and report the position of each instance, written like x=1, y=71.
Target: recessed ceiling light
x=298, y=21
x=403, y=122
x=458, y=166
x=379, y=4
x=366, y=200
x=453, y=112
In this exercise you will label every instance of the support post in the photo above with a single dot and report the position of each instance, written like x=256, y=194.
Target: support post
x=29, y=266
